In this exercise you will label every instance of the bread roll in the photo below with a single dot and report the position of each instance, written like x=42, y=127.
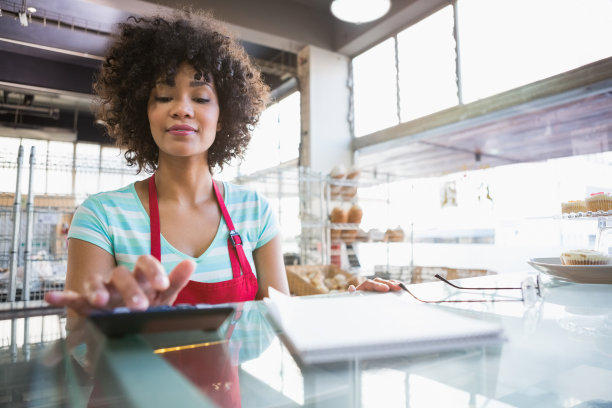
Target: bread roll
x=337, y=216
x=354, y=214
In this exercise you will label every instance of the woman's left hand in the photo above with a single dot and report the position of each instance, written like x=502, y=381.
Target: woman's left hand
x=377, y=285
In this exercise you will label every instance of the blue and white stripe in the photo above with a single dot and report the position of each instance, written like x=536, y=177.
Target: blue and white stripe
x=117, y=222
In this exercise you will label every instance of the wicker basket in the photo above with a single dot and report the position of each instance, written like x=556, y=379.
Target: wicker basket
x=301, y=285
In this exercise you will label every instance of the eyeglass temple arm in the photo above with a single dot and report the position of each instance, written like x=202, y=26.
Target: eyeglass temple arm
x=463, y=287
x=403, y=286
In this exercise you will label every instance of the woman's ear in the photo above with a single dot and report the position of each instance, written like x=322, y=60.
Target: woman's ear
x=219, y=126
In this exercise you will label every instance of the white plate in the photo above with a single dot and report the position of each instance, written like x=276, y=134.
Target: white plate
x=573, y=273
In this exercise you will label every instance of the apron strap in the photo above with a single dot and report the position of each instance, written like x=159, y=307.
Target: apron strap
x=234, y=242
x=154, y=217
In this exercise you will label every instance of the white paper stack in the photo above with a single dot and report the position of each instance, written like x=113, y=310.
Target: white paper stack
x=327, y=329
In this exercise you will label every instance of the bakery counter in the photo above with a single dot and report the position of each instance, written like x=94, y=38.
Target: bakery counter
x=557, y=352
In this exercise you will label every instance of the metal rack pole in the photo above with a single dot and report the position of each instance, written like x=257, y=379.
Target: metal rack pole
x=27, y=256
x=12, y=289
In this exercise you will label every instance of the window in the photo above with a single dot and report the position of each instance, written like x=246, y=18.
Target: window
x=375, y=89
x=64, y=168
x=275, y=140
x=505, y=44
x=426, y=53
x=59, y=168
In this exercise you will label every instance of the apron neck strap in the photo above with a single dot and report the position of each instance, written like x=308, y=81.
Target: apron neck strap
x=154, y=217
x=223, y=208
x=155, y=223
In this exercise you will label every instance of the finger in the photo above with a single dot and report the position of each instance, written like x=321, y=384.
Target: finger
x=149, y=268
x=351, y=288
x=125, y=283
x=178, y=279
x=70, y=299
x=374, y=285
x=392, y=283
x=395, y=285
x=96, y=291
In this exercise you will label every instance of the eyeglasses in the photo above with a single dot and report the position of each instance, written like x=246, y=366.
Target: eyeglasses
x=530, y=292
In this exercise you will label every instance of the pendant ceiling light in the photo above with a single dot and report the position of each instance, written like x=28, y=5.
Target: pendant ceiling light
x=359, y=11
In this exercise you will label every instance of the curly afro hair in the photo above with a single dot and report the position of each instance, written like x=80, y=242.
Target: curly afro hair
x=150, y=49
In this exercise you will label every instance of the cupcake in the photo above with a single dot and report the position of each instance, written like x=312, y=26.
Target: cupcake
x=573, y=206
x=598, y=202
x=584, y=257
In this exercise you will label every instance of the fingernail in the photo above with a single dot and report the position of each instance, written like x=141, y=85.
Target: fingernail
x=95, y=296
x=139, y=301
x=162, y=280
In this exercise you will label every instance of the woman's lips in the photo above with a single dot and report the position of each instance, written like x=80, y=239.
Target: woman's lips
x=181, y=130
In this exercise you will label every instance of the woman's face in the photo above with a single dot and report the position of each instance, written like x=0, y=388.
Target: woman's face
x=184, y=114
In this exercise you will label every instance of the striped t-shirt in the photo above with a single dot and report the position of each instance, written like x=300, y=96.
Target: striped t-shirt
x=117, y=222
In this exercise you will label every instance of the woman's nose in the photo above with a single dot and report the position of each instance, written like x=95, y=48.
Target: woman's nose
x=182, y=109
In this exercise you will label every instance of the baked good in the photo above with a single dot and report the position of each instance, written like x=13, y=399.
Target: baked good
x=573, y=206
x=349, y=235
x=394, y=235
x=354, y=217
x=584, y=257
x=355, y=214
x=338, y=173
x=337, y=216
x=350, y=191
x=598, y=202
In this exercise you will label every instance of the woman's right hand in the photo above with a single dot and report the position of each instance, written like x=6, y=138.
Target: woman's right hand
x=147, y=285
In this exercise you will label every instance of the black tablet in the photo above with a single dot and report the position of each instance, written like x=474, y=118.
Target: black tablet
x=121, y=321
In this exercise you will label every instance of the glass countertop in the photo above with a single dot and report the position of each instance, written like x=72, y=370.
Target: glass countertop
x=556, y=353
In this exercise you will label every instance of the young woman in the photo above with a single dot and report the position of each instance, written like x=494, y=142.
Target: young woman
x=180, y=96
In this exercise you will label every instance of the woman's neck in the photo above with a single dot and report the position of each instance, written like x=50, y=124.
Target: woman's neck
x=191, y=185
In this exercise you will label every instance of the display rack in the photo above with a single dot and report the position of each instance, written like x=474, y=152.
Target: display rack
x=287, y=181
x=347, y=193
x=603, y=219
x=33, y=239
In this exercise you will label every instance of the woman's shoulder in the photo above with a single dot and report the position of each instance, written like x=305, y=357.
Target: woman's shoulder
x=240, y=193
x=115, y=198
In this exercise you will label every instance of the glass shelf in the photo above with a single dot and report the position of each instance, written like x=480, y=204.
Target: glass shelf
x=589, y=215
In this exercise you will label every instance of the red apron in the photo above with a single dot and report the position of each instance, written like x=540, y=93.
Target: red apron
x=243, y=286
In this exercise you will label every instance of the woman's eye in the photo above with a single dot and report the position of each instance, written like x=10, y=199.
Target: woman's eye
x=163, y=99
x=201, y=100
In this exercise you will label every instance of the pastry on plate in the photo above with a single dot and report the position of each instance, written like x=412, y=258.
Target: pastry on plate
x=598, y=202
x=584, y=257
x=573, y=206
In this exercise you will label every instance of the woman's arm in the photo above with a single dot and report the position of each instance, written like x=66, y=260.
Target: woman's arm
x=86, y=262
x=270, y=268
x=94, y=281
